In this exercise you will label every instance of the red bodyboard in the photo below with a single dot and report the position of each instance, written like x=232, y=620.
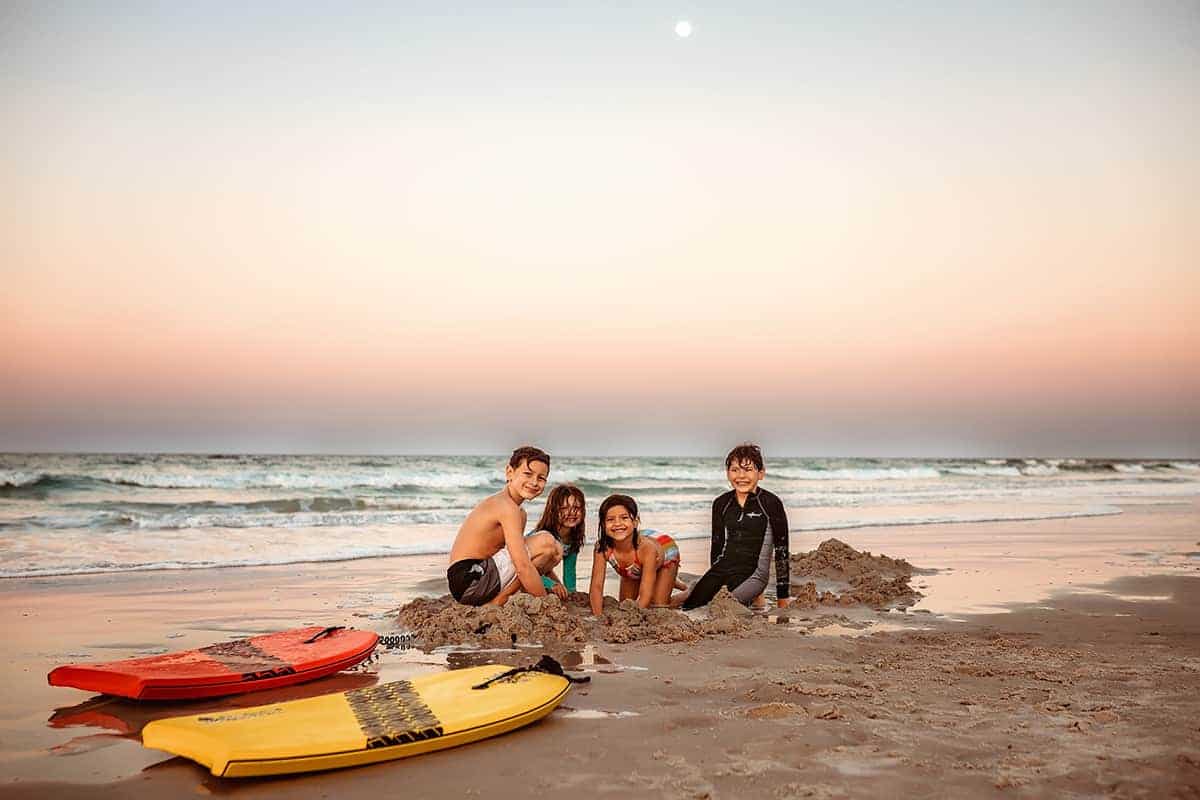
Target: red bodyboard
x=232, y=667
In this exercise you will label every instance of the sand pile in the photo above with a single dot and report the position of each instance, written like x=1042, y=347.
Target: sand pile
x=524, y=618
x=870, y=580
x=625, y=622
x=550, y=621
x=727, y=616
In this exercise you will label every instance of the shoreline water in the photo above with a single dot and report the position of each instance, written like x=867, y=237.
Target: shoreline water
x=1012, y=575
x=107, y=513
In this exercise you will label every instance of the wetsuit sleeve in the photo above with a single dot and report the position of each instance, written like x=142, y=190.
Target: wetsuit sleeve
x=568, y=569
x=718, y=533
x=777, y=515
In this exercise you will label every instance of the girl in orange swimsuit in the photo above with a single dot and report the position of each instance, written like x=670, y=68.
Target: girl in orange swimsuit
x=647, y=562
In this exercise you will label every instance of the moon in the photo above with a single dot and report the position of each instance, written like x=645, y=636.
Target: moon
x=683, y=29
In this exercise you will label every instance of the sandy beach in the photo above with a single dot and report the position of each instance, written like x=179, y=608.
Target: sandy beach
x=1045, y=658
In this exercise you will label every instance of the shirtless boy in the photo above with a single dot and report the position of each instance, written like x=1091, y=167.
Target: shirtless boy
x=492, y=559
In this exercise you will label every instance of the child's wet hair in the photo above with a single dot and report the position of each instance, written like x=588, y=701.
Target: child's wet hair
x=528, y=454
x=745, y=452
x=610, y=502
x=555, y=502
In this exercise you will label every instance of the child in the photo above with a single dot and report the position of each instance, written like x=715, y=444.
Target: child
x=647, y=562
x=563, y=517
x=748, y=522
x=492, y=559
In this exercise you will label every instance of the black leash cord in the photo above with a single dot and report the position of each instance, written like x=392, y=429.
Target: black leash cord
x=545, y=664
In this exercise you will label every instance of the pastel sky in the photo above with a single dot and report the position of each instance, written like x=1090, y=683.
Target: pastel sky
x=859, y=228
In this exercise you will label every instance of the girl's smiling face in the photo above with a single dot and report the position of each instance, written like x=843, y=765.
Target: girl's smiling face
x=619, y=524
x=571, y=512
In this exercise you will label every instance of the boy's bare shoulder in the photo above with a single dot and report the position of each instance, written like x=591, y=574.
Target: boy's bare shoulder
x=499, y=506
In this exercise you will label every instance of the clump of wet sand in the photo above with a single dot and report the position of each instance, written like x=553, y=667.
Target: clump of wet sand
x=870, y=580
x=626, y=622
x=549, y=620
x=523, y=618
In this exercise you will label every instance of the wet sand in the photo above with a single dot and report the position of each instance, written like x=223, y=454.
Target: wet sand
x=1082, y=681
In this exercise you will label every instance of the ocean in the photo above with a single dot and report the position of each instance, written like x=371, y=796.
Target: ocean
x=92, y=513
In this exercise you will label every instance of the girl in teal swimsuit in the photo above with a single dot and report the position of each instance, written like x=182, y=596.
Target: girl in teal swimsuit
x=646, y=561
x=563, y=517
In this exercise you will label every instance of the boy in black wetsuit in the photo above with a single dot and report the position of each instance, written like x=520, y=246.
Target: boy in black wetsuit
x=749, y=524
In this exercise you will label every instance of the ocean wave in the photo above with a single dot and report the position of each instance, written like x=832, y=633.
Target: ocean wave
x=950, y=519
x=984, y=471
x=384, y=479
x=282, y=513
x=20, y=479
x=148, y=479
x=357, y=519
x=623, y=474
x=855, y=474
x=101, y=567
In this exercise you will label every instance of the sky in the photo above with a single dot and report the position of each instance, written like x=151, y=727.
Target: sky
x=840, y=229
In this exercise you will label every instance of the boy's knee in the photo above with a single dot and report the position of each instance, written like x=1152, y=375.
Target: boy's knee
x=545, y=546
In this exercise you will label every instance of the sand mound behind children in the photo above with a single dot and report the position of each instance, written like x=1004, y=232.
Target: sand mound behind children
x=869, y=580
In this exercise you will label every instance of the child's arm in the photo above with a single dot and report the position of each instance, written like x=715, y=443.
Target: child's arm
x=718, y=533
x=596, y=589
x=648, y=554
x=513, y=524
x=777, y=516
x=553, y=584
x=568, y=567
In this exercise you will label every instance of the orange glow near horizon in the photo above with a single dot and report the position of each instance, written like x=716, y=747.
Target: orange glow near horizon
x=884, y=245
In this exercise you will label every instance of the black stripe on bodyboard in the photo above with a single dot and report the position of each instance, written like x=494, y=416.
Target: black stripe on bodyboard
x=241, y=655
x=392, y=714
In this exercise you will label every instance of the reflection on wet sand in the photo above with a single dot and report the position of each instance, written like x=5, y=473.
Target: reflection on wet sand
x=128, y=717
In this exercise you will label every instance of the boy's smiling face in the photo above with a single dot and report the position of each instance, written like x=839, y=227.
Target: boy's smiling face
x=744, y=476
x=527, y=479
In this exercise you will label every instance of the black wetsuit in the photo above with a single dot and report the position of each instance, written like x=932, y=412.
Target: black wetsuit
x=738, y=538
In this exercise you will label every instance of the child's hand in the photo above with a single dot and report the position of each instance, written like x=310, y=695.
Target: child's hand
x=559, y=590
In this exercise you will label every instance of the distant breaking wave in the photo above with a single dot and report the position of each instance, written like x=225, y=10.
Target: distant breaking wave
x=11, y=480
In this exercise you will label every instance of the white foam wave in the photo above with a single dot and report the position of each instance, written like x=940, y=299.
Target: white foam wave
x=853, y=474
x=16, y=478
x=1040, y=470
x=621, y=473
x=160, y=478
x=69, y=520
x=1185, y=466
x=382, y=551
x=949, y=519
x=984, y=471
x=303, y=519
x=1129, y=468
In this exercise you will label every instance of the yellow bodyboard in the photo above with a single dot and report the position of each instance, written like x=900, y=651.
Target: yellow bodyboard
x=363, y=726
